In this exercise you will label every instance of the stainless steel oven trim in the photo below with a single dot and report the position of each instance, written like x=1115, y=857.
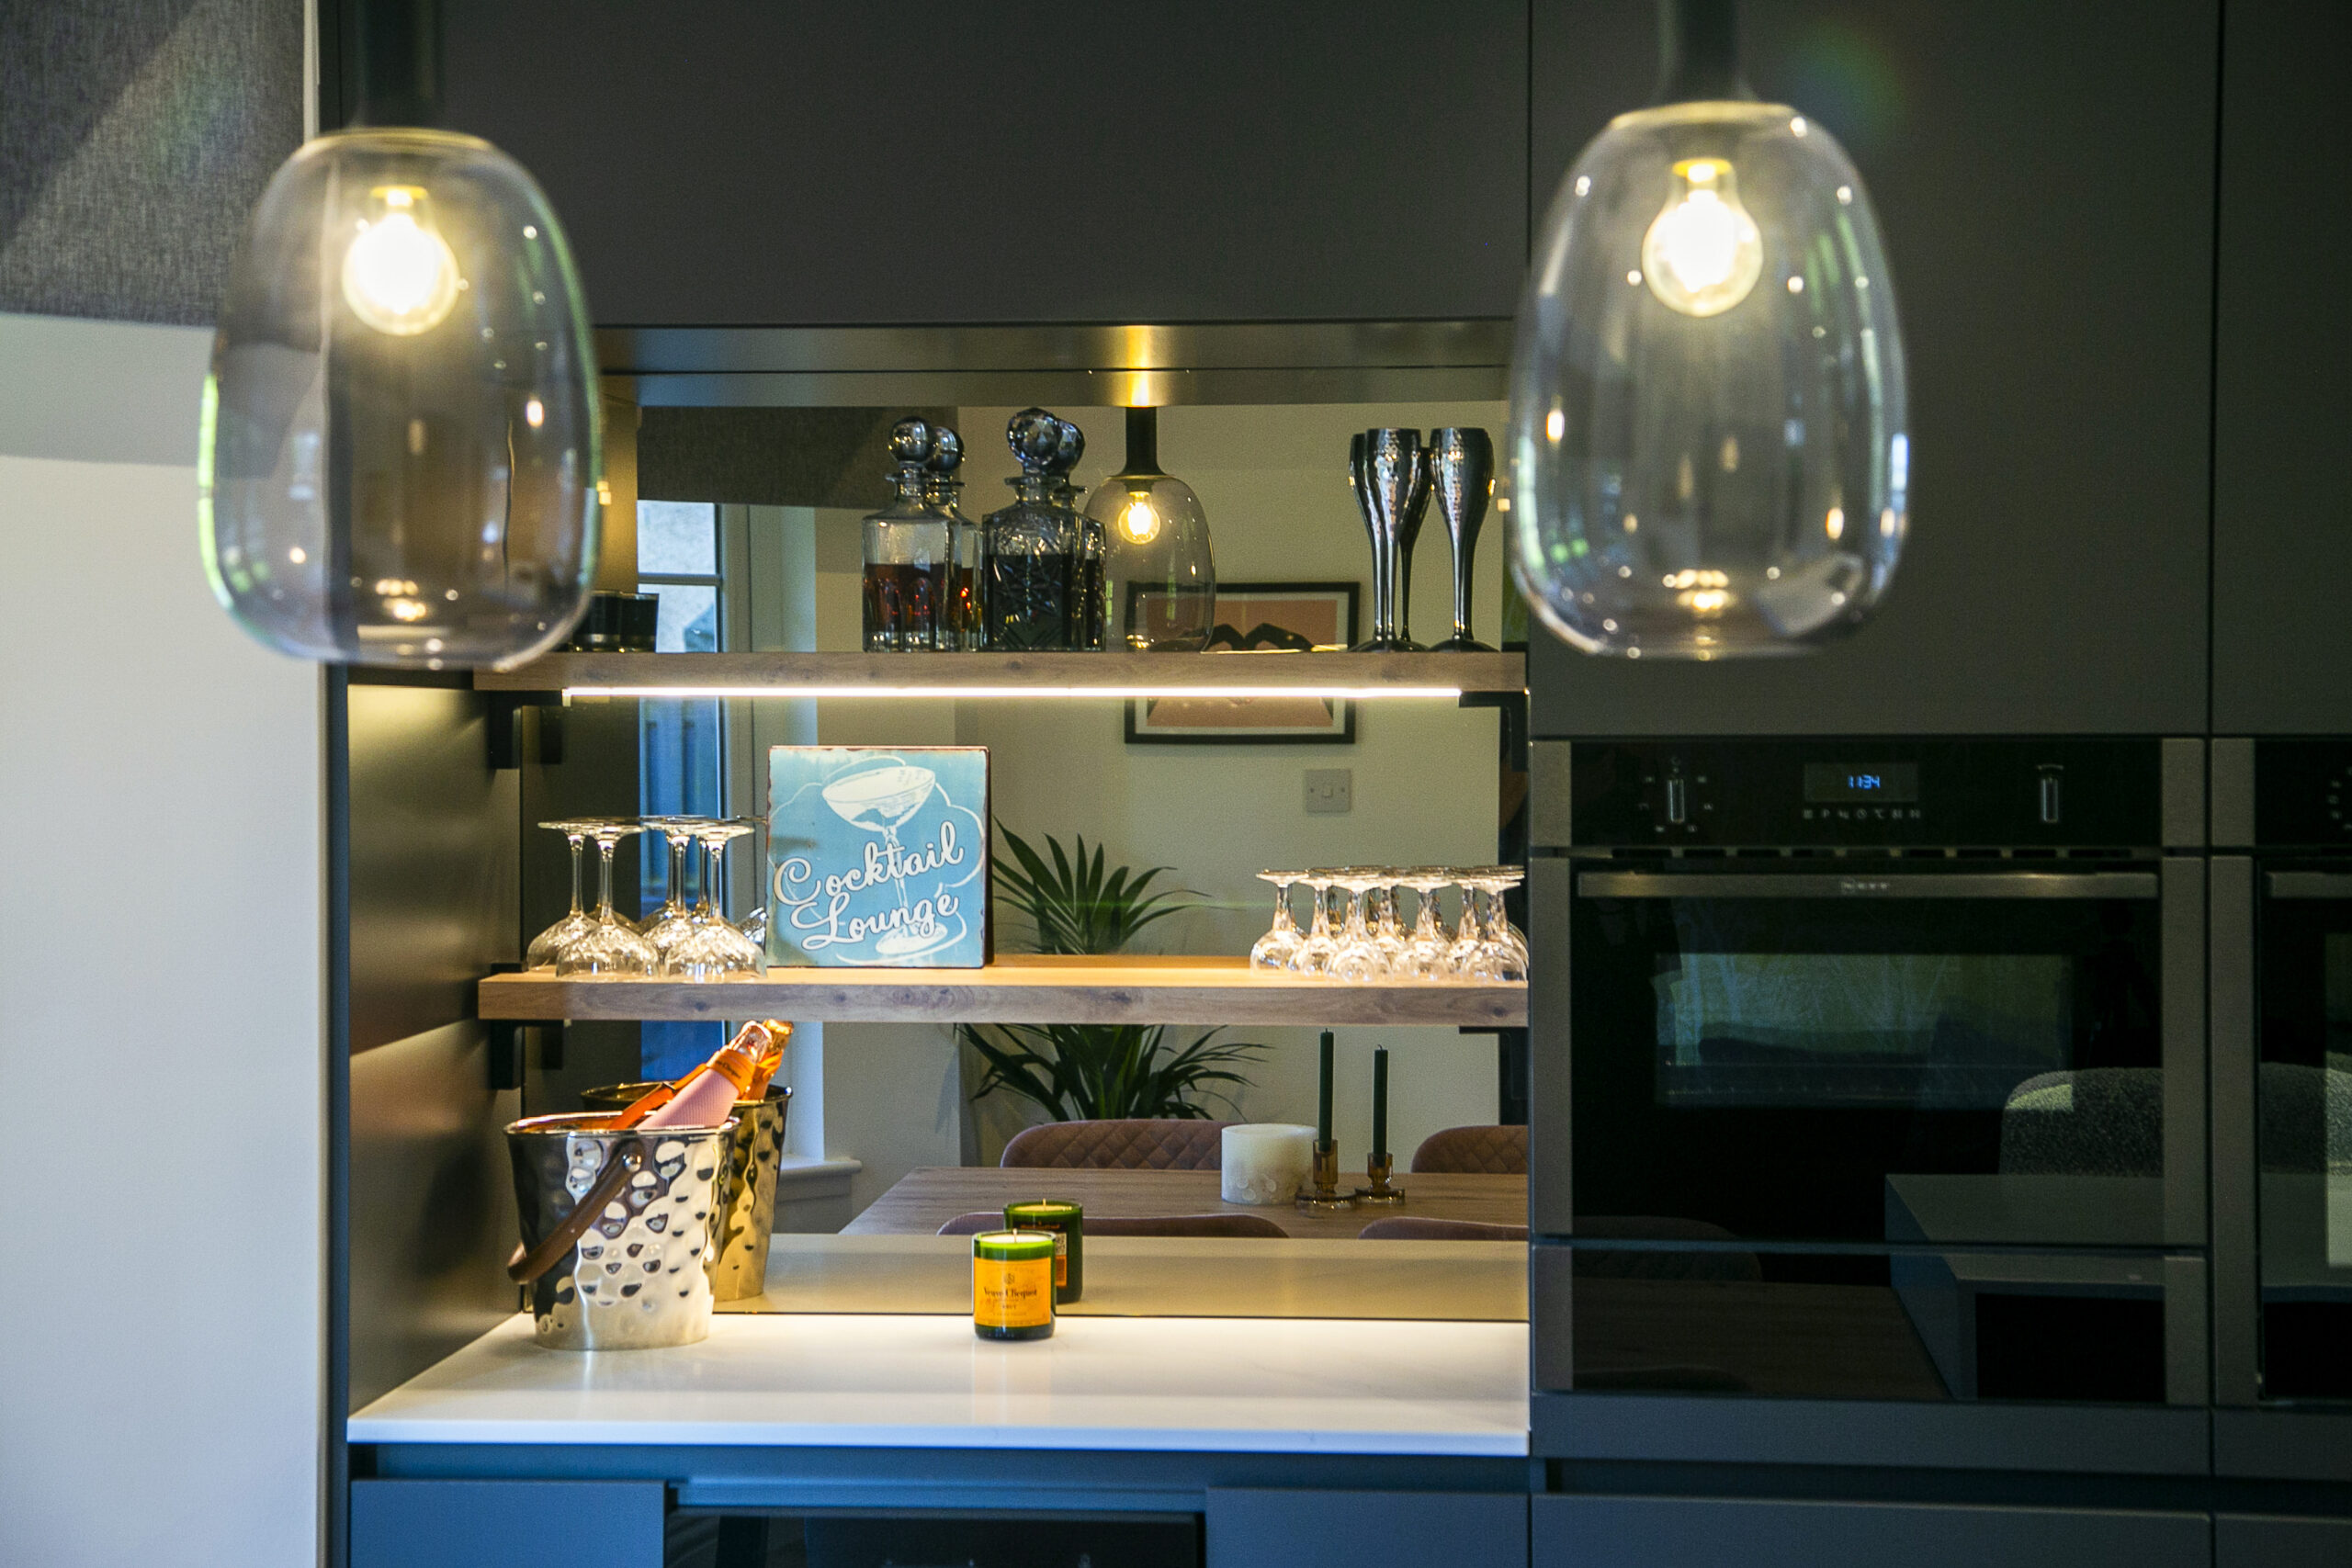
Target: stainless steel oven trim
x=1873, y=884
x=2231, y=998
x=2308, y=883
x=2181, y=982
x=1551, y=1167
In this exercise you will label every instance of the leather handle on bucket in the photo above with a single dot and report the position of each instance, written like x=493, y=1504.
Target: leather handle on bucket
x=527, y=1265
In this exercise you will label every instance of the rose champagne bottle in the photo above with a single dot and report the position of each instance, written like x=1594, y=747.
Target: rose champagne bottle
x=704, y=1097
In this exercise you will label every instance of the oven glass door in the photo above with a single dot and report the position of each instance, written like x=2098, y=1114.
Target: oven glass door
x=2303, y=1133
x=1868, y=1056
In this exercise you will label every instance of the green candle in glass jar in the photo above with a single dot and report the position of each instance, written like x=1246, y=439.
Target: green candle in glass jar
x=1067, y=1220
x=1012, y=1285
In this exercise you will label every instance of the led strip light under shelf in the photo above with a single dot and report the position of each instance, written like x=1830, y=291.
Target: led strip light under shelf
x=877, y=692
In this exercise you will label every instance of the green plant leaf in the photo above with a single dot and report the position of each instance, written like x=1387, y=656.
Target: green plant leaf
x=1085, y=1072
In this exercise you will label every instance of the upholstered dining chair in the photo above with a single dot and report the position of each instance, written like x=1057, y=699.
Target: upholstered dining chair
x=1474, y=1151
x=1147, y=1224
x=1128, y=1144
x=1407, y=1227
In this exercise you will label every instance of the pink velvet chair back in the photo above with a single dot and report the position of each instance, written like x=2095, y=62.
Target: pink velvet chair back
x=1137, y=1144
x=1474, y=1151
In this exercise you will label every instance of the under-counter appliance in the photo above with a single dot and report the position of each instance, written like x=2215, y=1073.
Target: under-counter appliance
x=1871, y=1066
x=2282, y=1070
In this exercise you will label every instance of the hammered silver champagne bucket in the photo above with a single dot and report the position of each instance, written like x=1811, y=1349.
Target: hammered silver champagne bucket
x=617, y=1229
x=738, y=1262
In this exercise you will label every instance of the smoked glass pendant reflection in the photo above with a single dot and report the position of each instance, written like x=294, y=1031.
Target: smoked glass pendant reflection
x=1708, y=449
x=400, y=456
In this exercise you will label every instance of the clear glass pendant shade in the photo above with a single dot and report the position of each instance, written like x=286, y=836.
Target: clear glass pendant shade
x=1159, y=574
x=400, y=429
x=1159, y=578
x=1707, y=440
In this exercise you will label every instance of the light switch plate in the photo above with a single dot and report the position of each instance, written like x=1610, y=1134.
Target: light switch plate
x=1331, y=791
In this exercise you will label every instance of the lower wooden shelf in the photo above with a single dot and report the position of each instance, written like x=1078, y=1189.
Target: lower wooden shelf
x=1018, y=989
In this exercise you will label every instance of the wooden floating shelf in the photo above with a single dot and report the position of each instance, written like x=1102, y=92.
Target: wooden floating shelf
x=1017, y=988
x=784, y=673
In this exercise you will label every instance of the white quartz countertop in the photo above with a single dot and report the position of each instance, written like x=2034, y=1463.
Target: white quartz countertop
x=1254, y=1385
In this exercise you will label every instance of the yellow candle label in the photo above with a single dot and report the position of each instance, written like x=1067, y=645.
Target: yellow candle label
x=1012, y=1292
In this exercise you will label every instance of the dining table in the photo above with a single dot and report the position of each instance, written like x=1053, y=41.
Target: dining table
x=925, y=1198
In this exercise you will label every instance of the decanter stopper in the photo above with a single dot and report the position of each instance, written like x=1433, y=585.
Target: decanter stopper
x=1036, y=437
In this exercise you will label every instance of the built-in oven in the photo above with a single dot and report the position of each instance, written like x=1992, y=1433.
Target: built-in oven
x=2283, y=1071
x=1873, y=1068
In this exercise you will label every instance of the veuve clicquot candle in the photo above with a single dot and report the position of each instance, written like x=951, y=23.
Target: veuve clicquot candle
x=1067, y=1222
x=1012, y=1285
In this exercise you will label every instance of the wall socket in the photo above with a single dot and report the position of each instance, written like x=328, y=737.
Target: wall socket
x=1331, y=791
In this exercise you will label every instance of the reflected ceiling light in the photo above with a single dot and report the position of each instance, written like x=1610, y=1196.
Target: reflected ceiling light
x=399, y=459
x=1648, y=359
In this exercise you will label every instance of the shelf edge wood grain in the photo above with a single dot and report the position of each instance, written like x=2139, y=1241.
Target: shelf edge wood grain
x=785, y=671
x=1017, y=988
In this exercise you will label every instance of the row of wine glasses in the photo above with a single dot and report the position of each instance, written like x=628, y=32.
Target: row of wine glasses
x=679, y=941
x=1366, y=937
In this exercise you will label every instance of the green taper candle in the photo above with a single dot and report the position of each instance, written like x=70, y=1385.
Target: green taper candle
x=1380, y=1102
x=1323, y=1096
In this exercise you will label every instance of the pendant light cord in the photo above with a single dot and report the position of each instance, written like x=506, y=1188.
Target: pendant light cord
x=1698, y=46
x=397, y=49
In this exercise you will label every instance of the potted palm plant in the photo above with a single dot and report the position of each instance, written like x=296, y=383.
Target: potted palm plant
x=1074, y=904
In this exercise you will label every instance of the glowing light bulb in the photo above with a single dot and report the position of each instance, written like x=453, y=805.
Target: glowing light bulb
x=399, y=276
x=1140, y=520
x=1703, y=252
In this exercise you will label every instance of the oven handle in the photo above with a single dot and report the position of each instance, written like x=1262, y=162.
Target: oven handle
x=2310, y=885
x=1817, y=884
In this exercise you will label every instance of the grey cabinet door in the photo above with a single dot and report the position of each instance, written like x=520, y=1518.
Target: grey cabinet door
x=506, y=1524
x=1249, y=1528
x=1692, y=1532
x=783, y=163
x=2251, y=1541
x=2282, y=493
x=2044, y=177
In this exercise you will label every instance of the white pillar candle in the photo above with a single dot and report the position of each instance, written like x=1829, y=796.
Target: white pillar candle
x=1265, y=1162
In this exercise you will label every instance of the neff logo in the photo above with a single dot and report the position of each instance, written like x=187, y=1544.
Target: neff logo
x=1865, y=885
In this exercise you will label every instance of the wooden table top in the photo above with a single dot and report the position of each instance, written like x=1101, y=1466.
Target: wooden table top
x=926, y=1199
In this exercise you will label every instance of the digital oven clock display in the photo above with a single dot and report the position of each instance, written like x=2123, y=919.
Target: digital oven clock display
x=1849, y=784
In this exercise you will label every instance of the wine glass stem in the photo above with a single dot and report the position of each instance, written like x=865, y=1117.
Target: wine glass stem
x=676, y=900
x=605, y=880
x=710, y=883
x=574, y=840
x=1282, y=907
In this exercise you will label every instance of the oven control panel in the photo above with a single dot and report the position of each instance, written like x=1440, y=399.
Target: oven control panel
x=2302, y=792
x=1870, y=792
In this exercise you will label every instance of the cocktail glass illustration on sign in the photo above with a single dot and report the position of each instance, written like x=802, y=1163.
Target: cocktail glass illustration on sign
x=878, y=856
x=878, y=801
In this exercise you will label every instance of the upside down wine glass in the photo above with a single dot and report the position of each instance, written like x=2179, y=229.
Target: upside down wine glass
x=716, y=948
x=668, y=926
x=1425, y=949
x=1313, y=956
x=548, y=943
x=1274, y=949
x=613, y=946
x=1359, y=957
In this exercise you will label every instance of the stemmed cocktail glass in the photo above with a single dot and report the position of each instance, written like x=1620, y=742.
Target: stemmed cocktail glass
x=546, y=946
x=668, y=925
x=1274, y=949
x=1425, y=949
x=1358, y=956
x=612, y=945
x=1313, y=956
x=714, y=947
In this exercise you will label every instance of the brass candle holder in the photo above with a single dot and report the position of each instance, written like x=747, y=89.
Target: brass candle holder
x=1376, y=1169
x=1326, y=1197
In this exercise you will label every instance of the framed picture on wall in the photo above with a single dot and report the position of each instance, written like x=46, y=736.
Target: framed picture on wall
x=1252, y=616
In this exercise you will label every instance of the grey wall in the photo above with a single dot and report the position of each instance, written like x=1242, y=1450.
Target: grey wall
x=161, y=992
x=138, y=134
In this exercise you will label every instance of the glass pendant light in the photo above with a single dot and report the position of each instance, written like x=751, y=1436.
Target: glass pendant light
x=1159, y=578
x=399, y=461
x=1707, y=435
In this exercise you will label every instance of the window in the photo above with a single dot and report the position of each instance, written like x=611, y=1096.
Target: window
x=682, y=747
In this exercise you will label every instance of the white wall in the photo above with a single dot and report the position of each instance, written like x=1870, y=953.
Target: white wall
x=161, y=997
x=1273, y=482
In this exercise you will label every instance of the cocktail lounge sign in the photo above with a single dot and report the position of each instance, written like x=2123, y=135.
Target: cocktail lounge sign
x=878, y=856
